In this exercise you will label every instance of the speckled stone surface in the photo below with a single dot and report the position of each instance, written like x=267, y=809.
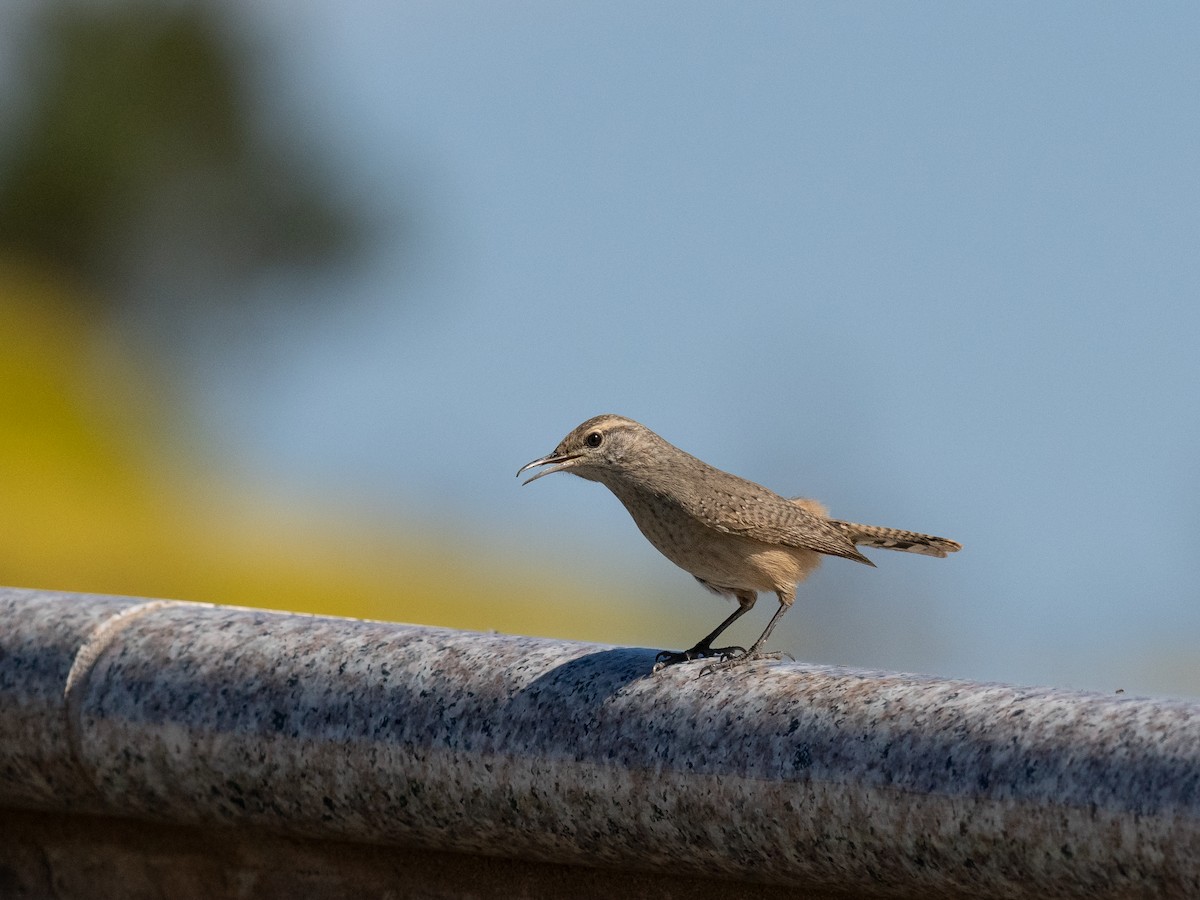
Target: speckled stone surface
x=789, y=773
x=41, y=635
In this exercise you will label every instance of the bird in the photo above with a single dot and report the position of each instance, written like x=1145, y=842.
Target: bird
x=736, y=537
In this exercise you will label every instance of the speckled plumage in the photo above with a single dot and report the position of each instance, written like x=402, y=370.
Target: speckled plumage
x=736, y=537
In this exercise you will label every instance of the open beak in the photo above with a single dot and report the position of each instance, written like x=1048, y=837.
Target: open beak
x=556, y=464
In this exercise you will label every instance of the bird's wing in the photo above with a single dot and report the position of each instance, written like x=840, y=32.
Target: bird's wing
x=781, y=523
x=733, y=505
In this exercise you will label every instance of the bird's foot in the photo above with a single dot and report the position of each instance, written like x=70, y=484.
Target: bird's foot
x=671, y=657
x=749, y=656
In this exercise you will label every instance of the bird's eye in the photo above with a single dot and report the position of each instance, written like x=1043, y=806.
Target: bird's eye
x=594, y=439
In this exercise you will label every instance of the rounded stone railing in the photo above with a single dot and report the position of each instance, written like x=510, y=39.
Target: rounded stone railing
x=550, y=751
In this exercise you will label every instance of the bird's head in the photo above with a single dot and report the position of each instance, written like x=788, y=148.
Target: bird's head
x=601, y=445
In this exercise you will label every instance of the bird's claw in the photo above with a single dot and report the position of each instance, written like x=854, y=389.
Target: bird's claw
x=746, y=657
x=666, y=658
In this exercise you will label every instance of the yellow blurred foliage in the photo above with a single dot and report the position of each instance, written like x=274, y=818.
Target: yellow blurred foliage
x=95, y=497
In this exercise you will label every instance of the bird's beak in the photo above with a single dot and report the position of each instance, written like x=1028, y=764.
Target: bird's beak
x=556, y=463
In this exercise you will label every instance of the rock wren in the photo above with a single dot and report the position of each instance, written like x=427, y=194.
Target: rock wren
x=735, y=537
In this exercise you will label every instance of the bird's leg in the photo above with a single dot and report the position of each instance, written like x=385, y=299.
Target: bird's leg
x=704, y=649
x=755, y=651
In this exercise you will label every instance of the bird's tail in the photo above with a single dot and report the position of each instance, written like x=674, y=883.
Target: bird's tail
x=895, y=539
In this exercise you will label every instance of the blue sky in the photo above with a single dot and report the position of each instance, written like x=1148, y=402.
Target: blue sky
x=935, y=264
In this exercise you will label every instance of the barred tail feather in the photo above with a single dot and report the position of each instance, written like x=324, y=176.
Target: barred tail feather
x=895, y=539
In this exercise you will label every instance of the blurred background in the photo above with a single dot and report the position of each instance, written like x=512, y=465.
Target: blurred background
x=288, y=291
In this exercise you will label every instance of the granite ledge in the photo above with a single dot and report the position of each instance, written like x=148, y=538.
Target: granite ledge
x=822, y=778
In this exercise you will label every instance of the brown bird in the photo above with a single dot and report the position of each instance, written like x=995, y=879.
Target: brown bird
x=734, y=536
